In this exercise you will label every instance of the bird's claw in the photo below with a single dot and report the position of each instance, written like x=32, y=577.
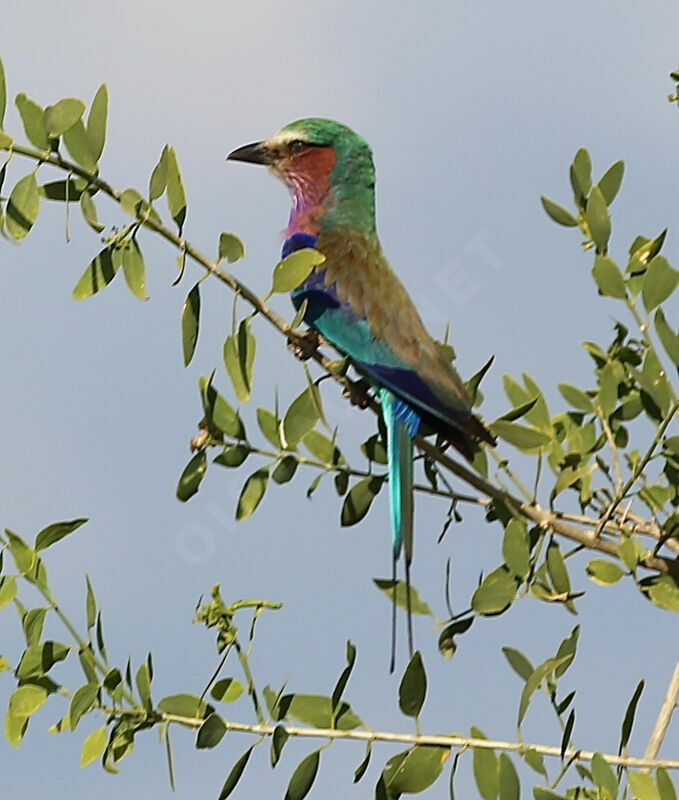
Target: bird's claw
x=357, y=393
x=304, y=345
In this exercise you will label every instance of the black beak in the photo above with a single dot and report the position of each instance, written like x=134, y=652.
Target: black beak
x=256, y=153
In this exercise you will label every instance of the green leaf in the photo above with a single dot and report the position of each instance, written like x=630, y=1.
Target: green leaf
x=143, y=681
x=190, y=323
x=317, y=710
x=15, y=728
x=295, y=269
x=654, y=381
x=343, y=679
x=472, y=385
x=359, y=499
x=566, y=652
x=485, y=765
x=158, y=179
x=278, y=739
x=496, y=592
x=413, y=687
x=581, y=175
x=521, y=436
x=239, y=357
x=5, y=141
x=26, y=700
x=374, y=449
x=211, y=732
x=33, y=622
x=233, y=456
x=323, y=448
x=665, y=785
x=604, y=572
x=516, y=548
x=99, y=273
x=8, y=589
x=134, y=270
x=81, y=702
x=218, y=411
x=604, y=776
x=518, y=662
x=556, y=566
x=300, y=418
x=268, y=424
x=78, y=145
x=182, y=705
x=3, y=95
x=235, y=774
x=628, y=720
x=416, y=606
x=534, y=681
x=96, y=122
x=193, y=474
x=558, y=213
x=363, y=766
x=535, y=761
x=22, y=207
x=668, y=338
x=71, y=189
x=89, y=212
x=227, y=690
x=285, y=469
x=303, y=777
x=611, y=180
x=252, y=493
x=57, y=531
x=62, y=116
x=576, y=397
x=642, y=786
x=176, y=197
x=598, y=219
x=230, y=247
x=519, y=411
x=608, y=277
x=32, y=119
x=90, y=605
x=508, y=779
x=659, y=282
x=23, y=555
x=546, y=794
x=413, y=770
x=93, y=746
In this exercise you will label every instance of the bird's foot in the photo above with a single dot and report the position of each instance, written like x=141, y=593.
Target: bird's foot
x=357, y=393
x=304, y=345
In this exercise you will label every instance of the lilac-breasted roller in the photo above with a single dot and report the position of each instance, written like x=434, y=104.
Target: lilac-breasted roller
x=358, y=304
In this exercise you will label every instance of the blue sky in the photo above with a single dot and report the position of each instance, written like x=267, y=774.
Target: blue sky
x=473, y=111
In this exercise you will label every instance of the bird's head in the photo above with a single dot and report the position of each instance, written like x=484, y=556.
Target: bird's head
x=326, y=166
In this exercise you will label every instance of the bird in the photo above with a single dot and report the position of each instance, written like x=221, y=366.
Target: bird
x=358, y=304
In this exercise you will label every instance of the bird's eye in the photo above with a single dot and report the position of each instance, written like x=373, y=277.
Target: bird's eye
x=296, y=147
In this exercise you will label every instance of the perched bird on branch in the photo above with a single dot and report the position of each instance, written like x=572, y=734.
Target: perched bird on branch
x=357, y=303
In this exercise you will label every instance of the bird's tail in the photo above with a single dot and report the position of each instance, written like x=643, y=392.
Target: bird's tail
x=401, y=423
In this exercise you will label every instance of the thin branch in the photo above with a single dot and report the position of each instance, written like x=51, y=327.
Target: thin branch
x=614, y=451
x=641, y=465
x=665, y=715
x=431, y=740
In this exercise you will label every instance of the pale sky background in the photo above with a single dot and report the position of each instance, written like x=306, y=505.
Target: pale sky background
x=473, y=111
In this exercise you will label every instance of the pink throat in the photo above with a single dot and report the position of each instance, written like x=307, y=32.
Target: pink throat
x=308, y=206
x=308, y=178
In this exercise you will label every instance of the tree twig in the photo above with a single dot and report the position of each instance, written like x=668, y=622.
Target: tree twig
x=431, y=740
x=665, y=715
